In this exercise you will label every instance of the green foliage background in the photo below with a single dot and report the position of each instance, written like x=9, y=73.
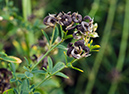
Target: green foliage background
x=104, y=72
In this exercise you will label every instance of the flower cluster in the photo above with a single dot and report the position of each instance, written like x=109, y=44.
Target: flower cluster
x=78, y=50
x=83, y=30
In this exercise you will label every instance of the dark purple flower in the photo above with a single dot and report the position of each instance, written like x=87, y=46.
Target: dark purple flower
x=78, y=50
x=65, y=20
x=77, y=18
x=49, y=21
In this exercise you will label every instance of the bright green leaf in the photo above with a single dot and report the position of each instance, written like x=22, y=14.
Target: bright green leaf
x=69, y=36
x=9, y=91
x=95, y=46
x=2, y=53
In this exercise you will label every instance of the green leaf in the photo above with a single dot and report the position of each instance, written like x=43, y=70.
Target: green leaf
x=51, y=83
x=19, y=81
x=55, y=35
x=2, y=53
x=37, y=93
x=12, y=80
x=15, y=91
x=20, y=75
x=61, y=47
x=62, y=32
x=61, y=74
x=11, y=59
x=12, y=66
x=69, y=36
x=26, y=61
x=32, y=87
x=39, y=71
x=28, y=74
x=95, y=50
x=91, y=41
x=65, y=58
x=26, y=68
x=94, y=35
x=17, y=46
x=95, y=46
x=58, y=67
x=24, y=87
x=46, y=36
x=50, y=64
x=9, y=91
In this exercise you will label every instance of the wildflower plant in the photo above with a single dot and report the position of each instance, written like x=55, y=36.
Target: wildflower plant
x=82, y=28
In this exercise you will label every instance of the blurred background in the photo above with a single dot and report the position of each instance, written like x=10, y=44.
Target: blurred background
x=105, y=72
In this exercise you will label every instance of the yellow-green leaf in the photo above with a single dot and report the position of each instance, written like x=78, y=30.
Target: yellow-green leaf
x=12, y=59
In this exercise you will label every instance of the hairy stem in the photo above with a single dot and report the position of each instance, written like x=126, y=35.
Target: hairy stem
x=123, y=47
x=104, y=42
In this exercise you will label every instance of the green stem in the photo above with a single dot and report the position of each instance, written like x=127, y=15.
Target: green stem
x=104, y=42
x=123, y=47
x=95, y=7
x=26, y=8
x=46, y=54
x=27, y=44
x=6, y=1
x=74, y=60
